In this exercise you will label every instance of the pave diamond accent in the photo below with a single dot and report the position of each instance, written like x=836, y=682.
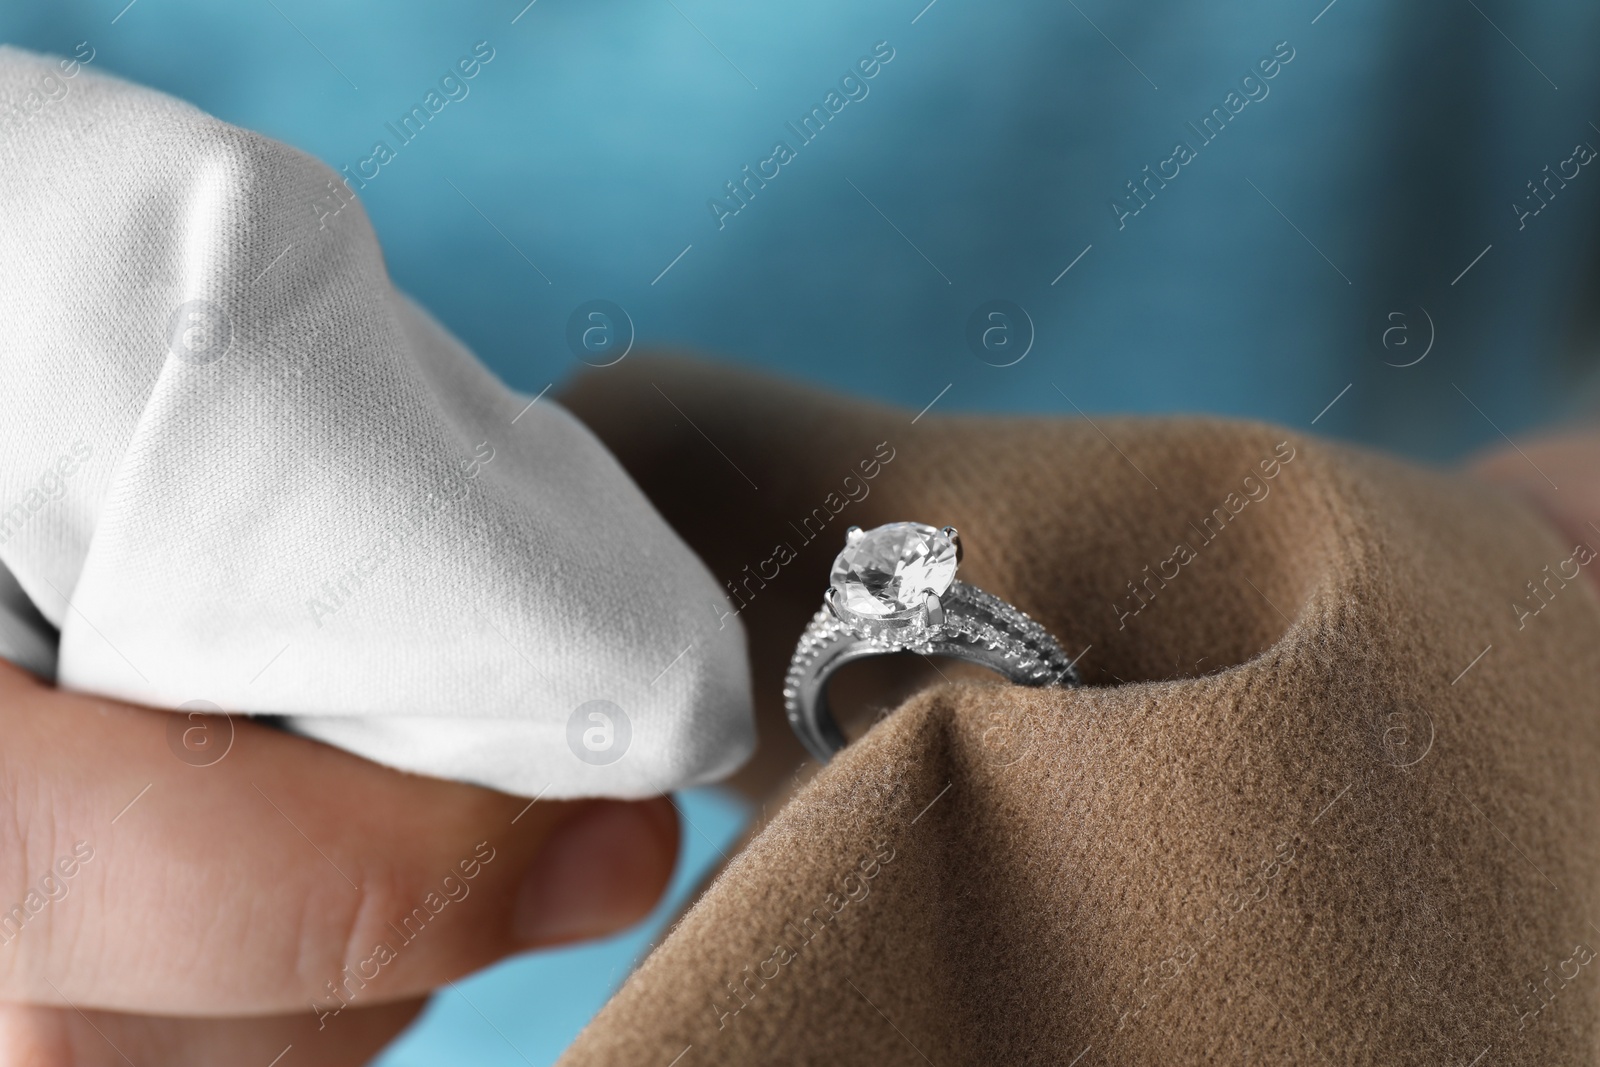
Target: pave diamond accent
x=822, y=631
x=984, y=619
x=972, y=618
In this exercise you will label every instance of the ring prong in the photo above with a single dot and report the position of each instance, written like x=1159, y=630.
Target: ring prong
x=831, y=598
x=853, y=534
x=935, y=609
x=955, y=538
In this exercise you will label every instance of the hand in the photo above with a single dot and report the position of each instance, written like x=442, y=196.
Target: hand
x=1560, y=476
x=178, y=914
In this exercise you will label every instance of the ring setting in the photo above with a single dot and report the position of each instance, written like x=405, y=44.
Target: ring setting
x=894, y=589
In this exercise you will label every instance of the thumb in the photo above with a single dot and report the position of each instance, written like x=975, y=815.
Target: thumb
x=286, y=875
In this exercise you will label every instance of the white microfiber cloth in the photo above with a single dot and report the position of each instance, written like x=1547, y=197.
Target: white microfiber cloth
x=238, y=467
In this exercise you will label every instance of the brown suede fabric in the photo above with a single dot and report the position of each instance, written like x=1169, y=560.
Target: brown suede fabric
x=1328, y=797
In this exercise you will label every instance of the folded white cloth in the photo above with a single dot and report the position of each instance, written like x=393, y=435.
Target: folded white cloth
x=237, y=466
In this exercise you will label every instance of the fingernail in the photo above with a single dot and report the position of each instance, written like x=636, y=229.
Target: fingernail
x=599, y=871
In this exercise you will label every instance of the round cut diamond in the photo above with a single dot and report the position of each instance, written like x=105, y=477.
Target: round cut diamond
x=891, y=570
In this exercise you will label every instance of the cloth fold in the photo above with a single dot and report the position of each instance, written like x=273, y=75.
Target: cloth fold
x=238, y=467
x=1328, y=797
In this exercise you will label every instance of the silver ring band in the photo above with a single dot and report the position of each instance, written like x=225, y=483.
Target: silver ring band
x=975, y=626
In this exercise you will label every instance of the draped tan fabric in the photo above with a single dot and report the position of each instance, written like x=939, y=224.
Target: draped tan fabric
x=1329, y=796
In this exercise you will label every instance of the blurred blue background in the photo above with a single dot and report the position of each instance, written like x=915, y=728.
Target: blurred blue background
x=1390, y=239
x=1386, y=156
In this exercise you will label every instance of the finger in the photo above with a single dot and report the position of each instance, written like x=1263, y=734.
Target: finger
x=286, y=874
x=49, y=1037
x=1536, y=469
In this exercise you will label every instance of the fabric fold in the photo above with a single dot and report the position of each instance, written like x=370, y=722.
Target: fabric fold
x=1327, y=797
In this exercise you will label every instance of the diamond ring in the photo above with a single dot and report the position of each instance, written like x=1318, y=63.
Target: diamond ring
x=894, y=589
